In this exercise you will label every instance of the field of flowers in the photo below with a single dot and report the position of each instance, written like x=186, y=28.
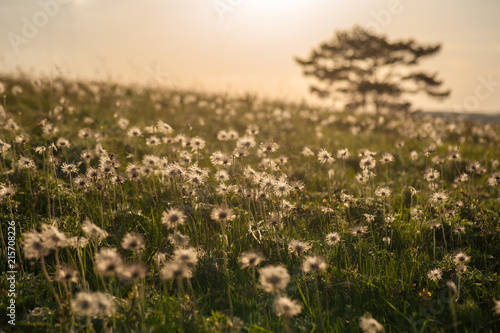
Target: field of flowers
x=148, y=210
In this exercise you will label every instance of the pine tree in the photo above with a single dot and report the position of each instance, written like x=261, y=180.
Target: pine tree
x=366, y=71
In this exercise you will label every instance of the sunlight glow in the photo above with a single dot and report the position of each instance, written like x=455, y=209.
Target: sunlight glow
x=79, y=3
x=274, y=5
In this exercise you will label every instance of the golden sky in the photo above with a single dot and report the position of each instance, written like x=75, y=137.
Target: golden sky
x=241, y=46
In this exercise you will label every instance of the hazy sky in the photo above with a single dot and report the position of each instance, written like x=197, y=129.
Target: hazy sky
x=245, y=45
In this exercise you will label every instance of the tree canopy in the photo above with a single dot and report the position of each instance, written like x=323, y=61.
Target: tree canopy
x=371, y=72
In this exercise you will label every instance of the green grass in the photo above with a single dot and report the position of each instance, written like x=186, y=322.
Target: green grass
x=364, y=273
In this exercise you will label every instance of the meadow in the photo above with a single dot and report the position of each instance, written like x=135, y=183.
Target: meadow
x=151, y=210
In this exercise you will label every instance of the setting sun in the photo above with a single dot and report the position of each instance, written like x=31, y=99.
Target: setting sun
x=241, y=45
